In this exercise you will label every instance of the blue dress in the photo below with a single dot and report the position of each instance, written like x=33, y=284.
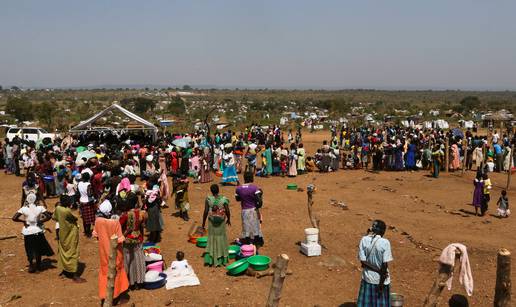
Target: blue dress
x=411, y=156
x=230, y=173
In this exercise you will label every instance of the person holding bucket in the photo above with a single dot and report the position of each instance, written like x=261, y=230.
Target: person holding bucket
x=375, y=254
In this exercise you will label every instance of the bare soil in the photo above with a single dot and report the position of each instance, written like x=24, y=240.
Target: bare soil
x=423, y=214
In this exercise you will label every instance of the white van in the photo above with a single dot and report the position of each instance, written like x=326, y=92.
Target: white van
x=29, y=133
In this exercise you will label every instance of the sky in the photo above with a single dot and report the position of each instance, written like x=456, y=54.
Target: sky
x=383, y=44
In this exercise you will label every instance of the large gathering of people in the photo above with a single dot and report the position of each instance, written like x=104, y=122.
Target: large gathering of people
x=111, y=183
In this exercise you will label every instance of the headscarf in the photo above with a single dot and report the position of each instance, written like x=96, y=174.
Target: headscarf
x=125, y=184
x=31, y=199
x=105, y=209
x=152, y=194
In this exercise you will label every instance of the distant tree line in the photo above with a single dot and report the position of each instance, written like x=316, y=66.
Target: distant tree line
x=23, y=109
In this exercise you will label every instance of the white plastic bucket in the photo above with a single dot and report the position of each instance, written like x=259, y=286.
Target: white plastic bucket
x=312, y=235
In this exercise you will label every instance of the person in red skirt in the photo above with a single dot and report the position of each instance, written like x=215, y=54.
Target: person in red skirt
x=87, y=203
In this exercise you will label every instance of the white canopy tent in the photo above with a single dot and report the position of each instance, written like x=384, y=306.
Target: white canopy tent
x=89, y=124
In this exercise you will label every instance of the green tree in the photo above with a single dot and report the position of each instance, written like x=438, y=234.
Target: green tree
x=19, y=108
x=470, y=102
x=46, y=113
x=187, y=87
x=176, y=106
x=144, y=105
x=140, y=105
x=459, y=108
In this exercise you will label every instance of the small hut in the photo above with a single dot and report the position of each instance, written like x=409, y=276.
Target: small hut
x=501, y=118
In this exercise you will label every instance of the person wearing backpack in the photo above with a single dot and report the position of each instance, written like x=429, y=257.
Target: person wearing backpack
x=216, y=211
x=250, y=198
x=375, y=254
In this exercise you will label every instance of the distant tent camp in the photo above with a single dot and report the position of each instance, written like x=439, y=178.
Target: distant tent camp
x=89, y=124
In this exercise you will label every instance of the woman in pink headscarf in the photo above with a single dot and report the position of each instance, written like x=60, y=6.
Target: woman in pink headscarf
x=124, y=185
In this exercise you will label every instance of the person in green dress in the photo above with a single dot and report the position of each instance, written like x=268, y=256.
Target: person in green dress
x=68, y=250
x=216, y=210
x=268, y=158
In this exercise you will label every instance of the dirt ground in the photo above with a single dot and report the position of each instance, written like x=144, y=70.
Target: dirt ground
x=422, y=214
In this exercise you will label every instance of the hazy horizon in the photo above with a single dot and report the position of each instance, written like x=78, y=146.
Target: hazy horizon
x=383, y=45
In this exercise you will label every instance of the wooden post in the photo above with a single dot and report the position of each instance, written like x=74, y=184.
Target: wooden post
x=313, y=220
x=280, y=272
x=503, y=279
x=108, y=302
x=310, y=189
x=509, y=172
x=447, y=155
x=445, y=271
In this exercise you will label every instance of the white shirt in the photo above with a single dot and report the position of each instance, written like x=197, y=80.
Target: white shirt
x=490, y=166
x=180, y=268
x=495, y=138
x=83, y=190
x=183, y=264
x=375, y=250
x=31, y=214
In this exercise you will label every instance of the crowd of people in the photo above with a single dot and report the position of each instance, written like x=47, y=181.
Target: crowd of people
x=97, y=175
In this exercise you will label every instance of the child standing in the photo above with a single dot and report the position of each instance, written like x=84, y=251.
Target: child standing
x=283, y=166
x=503, y=205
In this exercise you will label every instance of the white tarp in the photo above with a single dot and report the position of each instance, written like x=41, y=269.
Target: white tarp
x=87, y=124
x=441, y=124
x=467, y=124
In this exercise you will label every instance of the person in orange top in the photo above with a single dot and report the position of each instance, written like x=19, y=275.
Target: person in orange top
x=105, y=227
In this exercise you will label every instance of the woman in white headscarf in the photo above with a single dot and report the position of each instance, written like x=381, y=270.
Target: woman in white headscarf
x=230, y=172
x=105, y=228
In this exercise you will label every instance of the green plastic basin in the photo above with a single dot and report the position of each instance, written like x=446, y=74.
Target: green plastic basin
x=233, y=251
x=291, y=186
x=237, y=267
x=259, y=262
x=202, y=242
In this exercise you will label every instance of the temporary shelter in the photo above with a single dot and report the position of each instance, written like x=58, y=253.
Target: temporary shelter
x=441, y=124
x=427, y=125
x=138, y=122
x=468, y=124
x=499, y=118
